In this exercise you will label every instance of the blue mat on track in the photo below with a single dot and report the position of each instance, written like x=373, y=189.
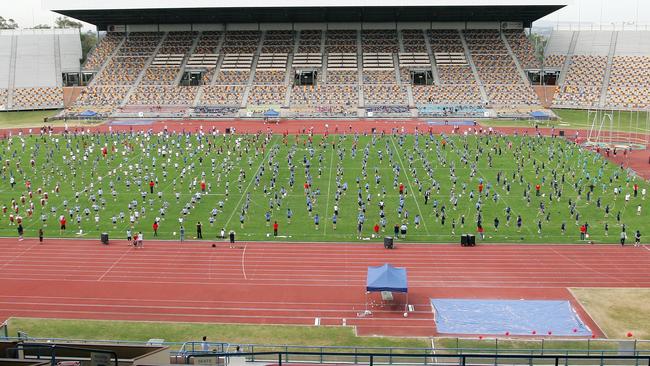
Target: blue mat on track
x=518, y=317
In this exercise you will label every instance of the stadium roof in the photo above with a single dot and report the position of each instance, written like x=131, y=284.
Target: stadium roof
x=117, y=12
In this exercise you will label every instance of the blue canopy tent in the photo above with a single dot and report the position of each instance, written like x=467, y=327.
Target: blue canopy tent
x=272, y=115
x=386, y=279
x=540, y=116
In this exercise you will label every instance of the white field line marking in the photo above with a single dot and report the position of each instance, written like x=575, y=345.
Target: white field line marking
x=249, y=184
x=329, y=184
x=408, y=181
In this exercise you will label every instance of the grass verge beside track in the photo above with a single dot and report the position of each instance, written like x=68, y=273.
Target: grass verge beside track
x=183, y=332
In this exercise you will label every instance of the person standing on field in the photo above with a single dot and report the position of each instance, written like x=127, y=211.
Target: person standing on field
x=20, y=232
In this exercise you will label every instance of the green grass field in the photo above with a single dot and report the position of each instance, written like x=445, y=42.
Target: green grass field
x=248, y=177
x=623, y=121
x=24, y=119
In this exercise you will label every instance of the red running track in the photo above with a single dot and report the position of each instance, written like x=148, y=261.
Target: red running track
x=281, y=283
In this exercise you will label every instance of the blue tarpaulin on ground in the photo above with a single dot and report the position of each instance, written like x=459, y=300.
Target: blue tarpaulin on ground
x=88, y=113
x=387, y=278
x=517, y=317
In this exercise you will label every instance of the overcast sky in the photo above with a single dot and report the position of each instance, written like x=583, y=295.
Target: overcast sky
x=30, y=12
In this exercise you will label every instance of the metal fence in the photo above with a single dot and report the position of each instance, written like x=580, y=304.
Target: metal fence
x=429, y=358
x=444, y=349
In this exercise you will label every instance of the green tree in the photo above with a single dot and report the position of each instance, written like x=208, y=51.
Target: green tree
x=65, y=22
x=539, y=43
x=8, y=23
x=88, y=41
x=41, y=26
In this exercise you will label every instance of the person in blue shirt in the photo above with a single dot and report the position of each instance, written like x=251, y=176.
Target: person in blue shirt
x=316, y=221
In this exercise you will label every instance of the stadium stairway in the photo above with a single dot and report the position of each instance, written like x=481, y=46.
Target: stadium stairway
x=288, y=78
x=251, y=78
x=512, y=55
x=107, y=61
x=545, y=94
x=472, y=65
x=323, y=74
x=432, y=58
x=567, y=61
x=57, y=61
x=179, y=77
x=12, y=71
x=143, y=72
x=608, y=69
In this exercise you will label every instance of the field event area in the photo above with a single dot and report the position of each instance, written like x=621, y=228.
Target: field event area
x=420, y=187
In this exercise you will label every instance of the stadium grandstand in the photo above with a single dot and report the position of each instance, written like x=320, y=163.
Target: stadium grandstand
x=472, y=59
x=469, y=59
x=400, y=139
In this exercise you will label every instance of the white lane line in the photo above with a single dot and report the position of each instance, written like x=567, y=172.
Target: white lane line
x=243, y=266
x=114, y=264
